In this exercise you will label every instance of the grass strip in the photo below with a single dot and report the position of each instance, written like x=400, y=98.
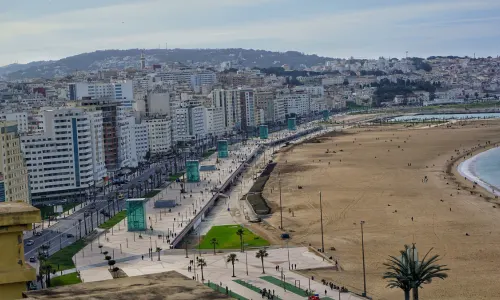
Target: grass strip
x=66, y=279
x=222, y=290
x=63, y=259
x=289, y=287
x=228, y=239
x=114, y=220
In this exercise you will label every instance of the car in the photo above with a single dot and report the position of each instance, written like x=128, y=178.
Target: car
x=32, y=259
x=39, y=233
x=69, y=235
x=30, y=243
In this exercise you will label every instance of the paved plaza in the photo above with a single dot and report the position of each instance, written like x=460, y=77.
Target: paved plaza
x=130, y=250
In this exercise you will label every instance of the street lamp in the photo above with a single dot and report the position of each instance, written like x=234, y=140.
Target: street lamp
x=321, y=220
x=363, y=251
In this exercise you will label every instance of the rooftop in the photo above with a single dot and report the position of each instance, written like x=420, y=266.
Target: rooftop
x=167, y=285
x=23, y=213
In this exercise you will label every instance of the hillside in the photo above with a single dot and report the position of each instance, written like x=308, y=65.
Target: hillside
x=120, y=59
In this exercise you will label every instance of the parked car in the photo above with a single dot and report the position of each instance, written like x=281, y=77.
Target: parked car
x=30, y=243
x=69, y=235
x=32, y=259
x=39, y=233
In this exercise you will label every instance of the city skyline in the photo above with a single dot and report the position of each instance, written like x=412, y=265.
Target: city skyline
x=55, y=29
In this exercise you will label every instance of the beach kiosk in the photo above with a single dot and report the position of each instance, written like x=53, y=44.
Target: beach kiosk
x=222, y=149
x=292, y=124
x=136, y=214
x=193, y=170
x=263, y=132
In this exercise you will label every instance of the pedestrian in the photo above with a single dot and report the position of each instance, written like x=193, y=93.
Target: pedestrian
x=143, y=257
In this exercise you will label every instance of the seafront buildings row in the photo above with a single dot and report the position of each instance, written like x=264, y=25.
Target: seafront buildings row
x=70, y=134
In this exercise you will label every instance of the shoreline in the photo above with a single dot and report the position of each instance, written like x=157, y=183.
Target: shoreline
x=466, y=169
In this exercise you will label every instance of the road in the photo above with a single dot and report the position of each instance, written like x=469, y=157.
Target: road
x=69, y=229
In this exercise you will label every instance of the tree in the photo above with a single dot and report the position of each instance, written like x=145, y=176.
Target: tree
x=399, y=273
x=407, y=272
x=232, y=258
x=240, y=233
x=111, y=263
x=214, y=242
x=202, y=263
x=261, y=254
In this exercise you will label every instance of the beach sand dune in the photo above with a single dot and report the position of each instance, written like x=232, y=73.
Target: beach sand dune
x=366, y=175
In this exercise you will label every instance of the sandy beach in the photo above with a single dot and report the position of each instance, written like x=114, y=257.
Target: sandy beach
x=366, y=175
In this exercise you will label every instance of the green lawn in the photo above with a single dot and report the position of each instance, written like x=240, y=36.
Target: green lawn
x=253, y=287
x=67, y=279
x=114, y=220
x=228, y=239
x=61, y=260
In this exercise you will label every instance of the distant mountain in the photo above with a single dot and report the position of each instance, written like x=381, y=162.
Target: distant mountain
x=19, y=67
x=121, y=59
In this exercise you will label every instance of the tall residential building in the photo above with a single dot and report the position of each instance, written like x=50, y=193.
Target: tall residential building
x=298, y=103
x=125, y=133
x=15, y=217
x=159, y=132
x=228, y=100
x=141, y=140
x=121, y=91
x=247, y=107
x=158, y=103
x=189, y=123
x=14, y=185
x=215, y=121
x=67, y=157
x=109, y=110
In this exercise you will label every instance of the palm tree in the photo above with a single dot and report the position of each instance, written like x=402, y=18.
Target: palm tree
x=151, y=179
x=408, y=272
x=261, y=254
x=232, y=259
x=214, y=242
x=240, y=233
x=202, y=263
x=399, y=273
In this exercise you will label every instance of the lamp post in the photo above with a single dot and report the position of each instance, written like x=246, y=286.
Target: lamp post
x=321, y=220
x=281, y=206
x=363, y=252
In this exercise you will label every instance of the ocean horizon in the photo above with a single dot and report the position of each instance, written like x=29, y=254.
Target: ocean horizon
x=484, y=168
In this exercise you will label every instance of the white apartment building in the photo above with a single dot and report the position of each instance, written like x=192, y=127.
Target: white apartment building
x=298, y=103
x=66, y=157
x=125, y=131
x=141, y=140
x=193, y=77
x=247, y=107
x=228, y=100
x=158, y=103
x=159, y=135
x=121, y=90
x=215, y=121
x=189, y=123
x=21, y=119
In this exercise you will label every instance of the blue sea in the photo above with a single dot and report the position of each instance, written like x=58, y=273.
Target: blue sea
x=446, y=117
x=487, y=167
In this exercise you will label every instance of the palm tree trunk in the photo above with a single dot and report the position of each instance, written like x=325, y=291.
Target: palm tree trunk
x=202, y=278
x=233, y=270
x=407, y=294
x=415, y=293
x=214, y=249
x=262, y=260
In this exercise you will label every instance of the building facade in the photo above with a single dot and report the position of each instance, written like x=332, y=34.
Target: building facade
x=14, y=184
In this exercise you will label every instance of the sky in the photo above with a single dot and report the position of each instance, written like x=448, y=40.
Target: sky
x=33, y=30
